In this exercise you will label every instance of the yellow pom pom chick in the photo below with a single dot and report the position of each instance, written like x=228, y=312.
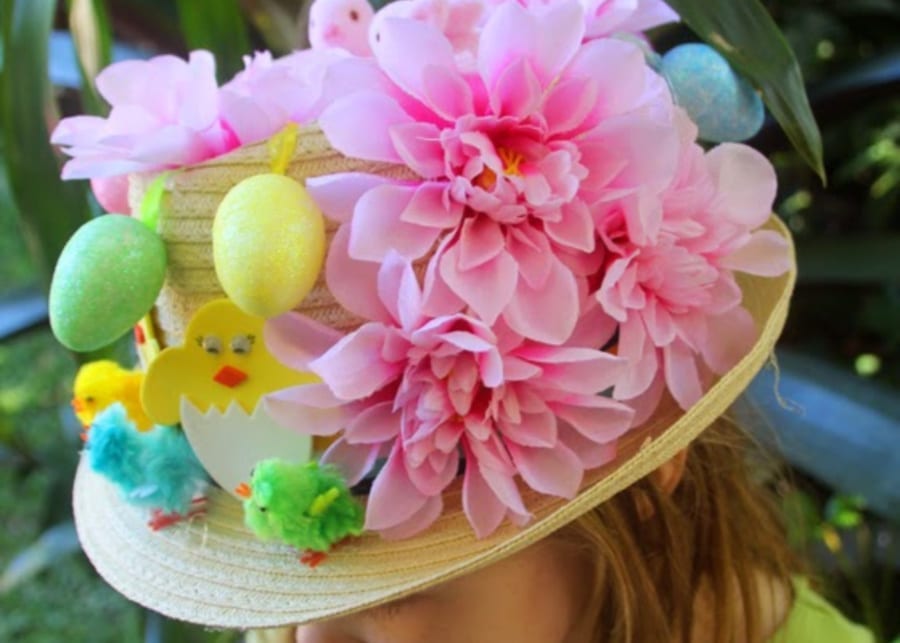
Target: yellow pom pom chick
x=100, y=384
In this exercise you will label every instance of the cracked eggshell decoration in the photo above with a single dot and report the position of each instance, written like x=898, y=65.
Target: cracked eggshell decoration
x=107, y=278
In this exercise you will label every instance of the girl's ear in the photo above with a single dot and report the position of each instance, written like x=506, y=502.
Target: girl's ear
x=667, y=476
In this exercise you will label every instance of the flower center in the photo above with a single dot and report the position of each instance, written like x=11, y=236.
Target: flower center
x=512, y=161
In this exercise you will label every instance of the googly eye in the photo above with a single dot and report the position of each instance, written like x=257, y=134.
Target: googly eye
x=242, y=344
x=212, y=345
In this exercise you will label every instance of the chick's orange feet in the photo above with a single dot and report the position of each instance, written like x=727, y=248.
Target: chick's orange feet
x=159, y=520
x=313, y=558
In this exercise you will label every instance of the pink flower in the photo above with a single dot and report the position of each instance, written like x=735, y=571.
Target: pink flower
x=606, y=17
x=509, y=158
x=165, y=114
x=270, y=93
x=670, y=280
x=427, y=392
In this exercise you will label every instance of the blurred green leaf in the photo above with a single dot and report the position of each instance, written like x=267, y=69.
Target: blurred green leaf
x=92, y=35
x=54, y=544
x=278, y=27
x=746, y=35
x=845, y=512
x=158, y=629
x=801, y=518
x=216, y=25
x=50, y=210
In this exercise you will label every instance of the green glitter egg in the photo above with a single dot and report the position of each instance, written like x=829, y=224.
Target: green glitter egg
x=107, y=278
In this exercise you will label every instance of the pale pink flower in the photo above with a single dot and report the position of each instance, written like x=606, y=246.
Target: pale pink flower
x=427, y=392
x=510, y=158
x=272, y=92
x=606, y=17
x=670, y=279
x=165, y=114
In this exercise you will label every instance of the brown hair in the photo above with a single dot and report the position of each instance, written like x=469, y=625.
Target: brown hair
x=716, y=535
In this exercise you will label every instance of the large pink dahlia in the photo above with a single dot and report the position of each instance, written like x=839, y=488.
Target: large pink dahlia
x=429, y=392
x=508, y=159
x=670, y=280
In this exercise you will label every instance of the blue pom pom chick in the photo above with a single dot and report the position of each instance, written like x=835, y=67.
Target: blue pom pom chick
x=306, y=505
x=156, y=469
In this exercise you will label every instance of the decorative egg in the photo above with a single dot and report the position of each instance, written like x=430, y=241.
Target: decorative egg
x=268, y=244
x=107, y=278
x=724, y=106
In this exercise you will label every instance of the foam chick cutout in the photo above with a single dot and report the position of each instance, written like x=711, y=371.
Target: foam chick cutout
x=724, y=106
x=154, y=469
x=213, y=385
x=307, y=506
x=107, y=278
x=99, y=385
x=269, y=238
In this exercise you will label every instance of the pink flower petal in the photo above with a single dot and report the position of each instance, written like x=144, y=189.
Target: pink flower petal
x=407, y=49
x=575, y=229
x=641, y=355
x=295, y=339
x=399, y=289
x=555, y=472
x=480, y=241
x=591, y=454
x=353, y=283
x=418, y=522
x=354, y=461
x=682, y=377
x=337, y=194
x=575, y=369
x=560, y=35
x=547, y=314
x=533, y=430
x=374, y=425
x=393, y=499
x=309, y=409
x=353, y=368
x=377, y=227
x=597, y=418
x=746, y=183
x=431, y=481
x=447, y=93
x=517, y=92
x=487, y=288
x=511, y=33
x=419, y=145
x=647, y=15
x=767, y=254
x=482, y=507
x=429, y=208
x=730, y=338
x=569, y=104
x=367, y=112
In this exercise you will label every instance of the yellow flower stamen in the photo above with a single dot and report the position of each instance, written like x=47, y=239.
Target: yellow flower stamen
x=511, y=161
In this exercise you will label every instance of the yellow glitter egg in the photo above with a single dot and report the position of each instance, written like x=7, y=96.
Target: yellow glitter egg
x=268, y=244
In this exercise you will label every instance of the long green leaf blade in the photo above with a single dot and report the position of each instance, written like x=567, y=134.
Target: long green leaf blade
x=50, y=210
x=54, y=544
x=219, y=26
x=744, y=32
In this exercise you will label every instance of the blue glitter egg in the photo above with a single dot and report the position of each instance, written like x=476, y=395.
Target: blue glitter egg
x=724, y=106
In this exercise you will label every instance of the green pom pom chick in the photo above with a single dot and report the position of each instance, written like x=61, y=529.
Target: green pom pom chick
x=304, y=505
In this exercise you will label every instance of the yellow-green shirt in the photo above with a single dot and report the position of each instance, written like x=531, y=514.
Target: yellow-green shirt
x=812, y=619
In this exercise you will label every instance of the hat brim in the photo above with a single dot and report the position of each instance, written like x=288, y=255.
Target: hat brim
x=214, y=572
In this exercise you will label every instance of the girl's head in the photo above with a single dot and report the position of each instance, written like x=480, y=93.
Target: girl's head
x=696, y=546
x=489, y=278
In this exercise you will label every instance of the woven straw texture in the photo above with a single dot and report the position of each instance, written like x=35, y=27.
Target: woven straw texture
x=213, y=571
x=189, y=207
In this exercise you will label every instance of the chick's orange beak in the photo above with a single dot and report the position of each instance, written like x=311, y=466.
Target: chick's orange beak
x=78, y=405
x=243, y=490
x=229, y=376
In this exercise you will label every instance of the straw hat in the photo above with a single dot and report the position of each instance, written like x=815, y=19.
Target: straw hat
x=214, y=571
